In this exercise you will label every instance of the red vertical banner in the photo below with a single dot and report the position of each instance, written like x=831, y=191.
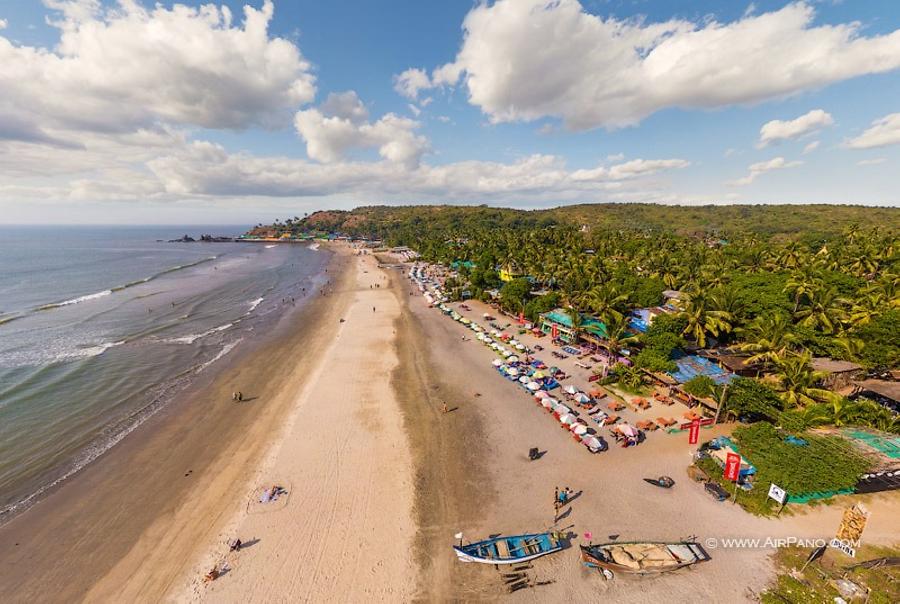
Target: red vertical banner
x=732, y=466
x=694, y=432
x=554, y=332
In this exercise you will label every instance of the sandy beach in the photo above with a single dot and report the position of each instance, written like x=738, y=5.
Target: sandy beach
x=514, y=495
x=346, y=414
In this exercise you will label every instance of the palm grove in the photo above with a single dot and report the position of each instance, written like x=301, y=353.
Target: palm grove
x=820, y=286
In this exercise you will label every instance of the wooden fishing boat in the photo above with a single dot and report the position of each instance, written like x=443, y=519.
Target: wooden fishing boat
x=508, y=550
x=632, y=557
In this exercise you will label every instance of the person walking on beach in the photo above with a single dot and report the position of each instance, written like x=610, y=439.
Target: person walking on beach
x=234, y=396
x=373, y=309
x=240, y=396
x=444, y=407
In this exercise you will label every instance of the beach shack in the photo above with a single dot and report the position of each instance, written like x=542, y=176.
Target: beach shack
x=838, y=374
x=559, y=322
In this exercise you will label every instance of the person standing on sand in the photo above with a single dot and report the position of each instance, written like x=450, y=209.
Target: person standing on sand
x=444, y=407
x=240, y=396
x=234, y=396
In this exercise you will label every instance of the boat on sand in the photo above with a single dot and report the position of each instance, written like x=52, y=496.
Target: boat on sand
x=509, y=549
x=643, y=558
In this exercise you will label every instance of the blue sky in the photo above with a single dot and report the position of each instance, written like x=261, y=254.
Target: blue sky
x=136, y=114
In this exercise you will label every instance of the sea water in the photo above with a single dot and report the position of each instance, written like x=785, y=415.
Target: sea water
x=101, y=326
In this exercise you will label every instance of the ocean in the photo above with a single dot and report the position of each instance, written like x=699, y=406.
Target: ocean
x=101, y=326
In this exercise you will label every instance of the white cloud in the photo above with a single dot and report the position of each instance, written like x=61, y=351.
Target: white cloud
x=125, y=68
x=871, y=162
x=207, y=169
x=776, y=163
x=410, y=82
x=414, y=110
x=630, y=169
x=3, y=23
x=345, y=105
x=883, y=132
x=341, y=125
x=778, y=130
x=810, y=147
x=527, y=59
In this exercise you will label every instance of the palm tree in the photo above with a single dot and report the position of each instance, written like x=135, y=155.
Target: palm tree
x=768, y=339
x=824, y=310
x=577, y=323
x=797, y=381
x=606, y=301
x=801, y=284
x=702, y=319
x=617, y=334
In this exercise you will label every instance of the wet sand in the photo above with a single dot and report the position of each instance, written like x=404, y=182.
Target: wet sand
x=128, y=526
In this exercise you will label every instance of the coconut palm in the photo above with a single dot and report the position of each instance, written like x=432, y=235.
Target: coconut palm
x=798, y=381
x=702, y=319
x=617, y=334
x=823, y=310
x=606, y=301
x=768, y=339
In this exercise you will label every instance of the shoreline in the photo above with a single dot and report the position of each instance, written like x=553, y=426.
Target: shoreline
x=125, y=504
x=344, y=528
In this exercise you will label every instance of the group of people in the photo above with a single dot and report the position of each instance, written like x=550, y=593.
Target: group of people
x=237, y=396
x=220, y=568
x=560, y=499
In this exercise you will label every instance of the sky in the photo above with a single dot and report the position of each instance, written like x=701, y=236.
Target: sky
x=128, y=111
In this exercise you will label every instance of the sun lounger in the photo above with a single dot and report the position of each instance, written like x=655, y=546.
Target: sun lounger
x=615, y=406
x=611, y=420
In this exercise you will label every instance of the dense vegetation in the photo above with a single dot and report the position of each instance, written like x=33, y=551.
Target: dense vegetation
x=823, y=465
x=778, y=284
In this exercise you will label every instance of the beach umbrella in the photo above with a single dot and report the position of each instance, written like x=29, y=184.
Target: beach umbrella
x=496, y=362
x=581, y=397
x=627, y=430
x=561, y=409
x=513, y=342
x=520, y=346
x=495, y=333
x=539, y=375
x=578, y=428
x=512, y=371
x=547, y=403
x=542, y=394
x=592, y=442
x=553, y=402
x=570, y=389
x=524, y=379
x=512, y=358
x=533, y=386
x=567, y=418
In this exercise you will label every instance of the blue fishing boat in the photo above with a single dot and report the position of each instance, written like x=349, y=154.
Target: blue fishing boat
x=508, y=550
